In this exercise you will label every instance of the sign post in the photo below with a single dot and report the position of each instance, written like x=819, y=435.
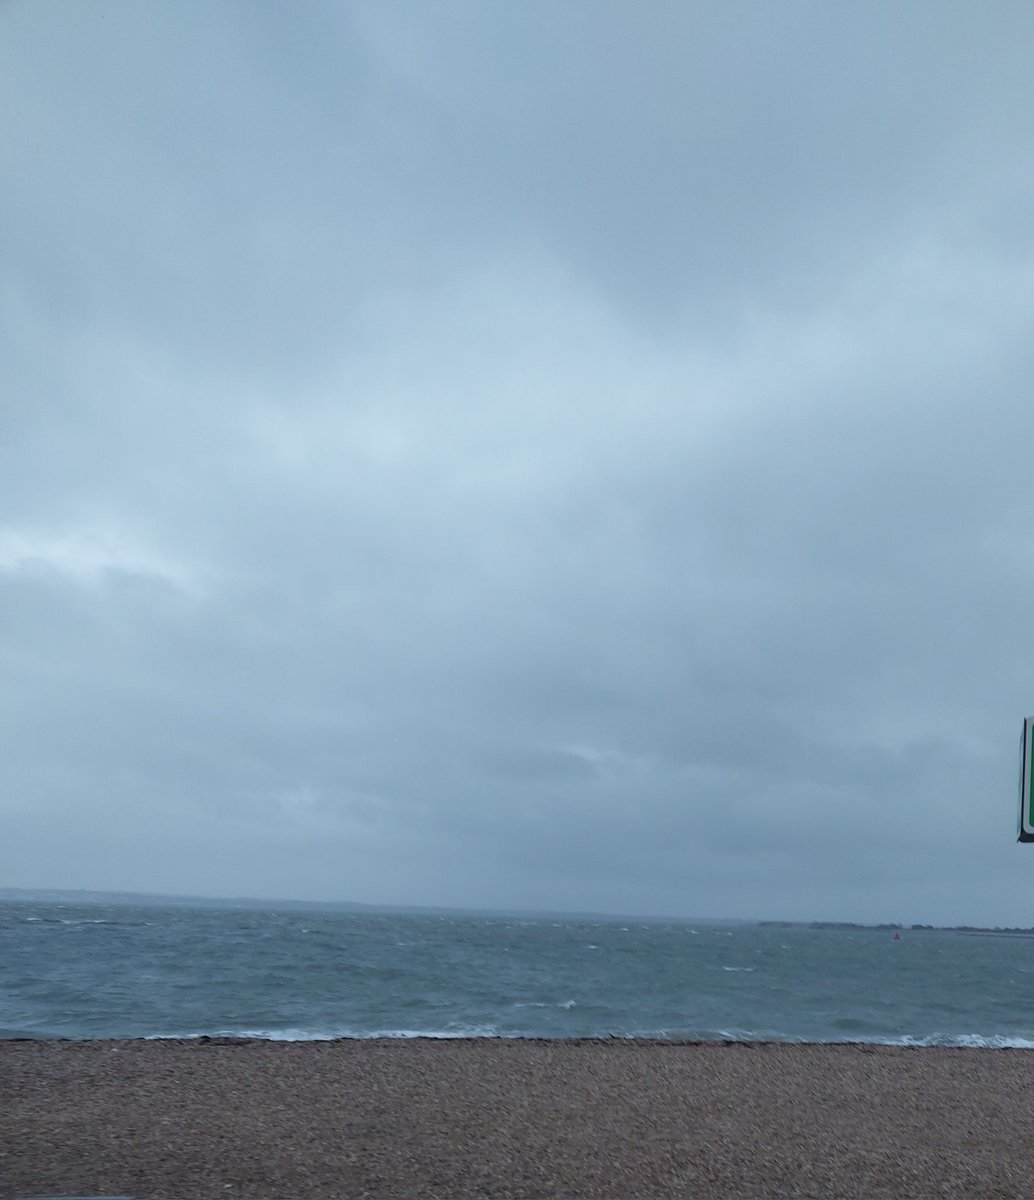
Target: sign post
x=1027, y=783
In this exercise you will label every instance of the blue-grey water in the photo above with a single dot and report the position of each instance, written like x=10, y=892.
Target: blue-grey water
x=101, y=972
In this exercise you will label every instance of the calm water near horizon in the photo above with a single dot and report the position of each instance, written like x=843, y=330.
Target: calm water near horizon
x=94, y=971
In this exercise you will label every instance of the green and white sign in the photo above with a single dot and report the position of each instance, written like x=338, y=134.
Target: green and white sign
x=1027, y=783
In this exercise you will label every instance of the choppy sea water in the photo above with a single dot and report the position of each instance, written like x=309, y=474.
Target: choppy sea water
x=102, y=972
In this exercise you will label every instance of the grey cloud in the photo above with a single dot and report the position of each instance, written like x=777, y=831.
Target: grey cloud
x=556, y=460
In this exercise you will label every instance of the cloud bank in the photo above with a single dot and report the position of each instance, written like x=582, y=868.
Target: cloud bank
x=554, y=458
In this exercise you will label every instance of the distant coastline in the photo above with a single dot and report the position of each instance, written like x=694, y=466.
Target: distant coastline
x=890, y=926
x=170, y=900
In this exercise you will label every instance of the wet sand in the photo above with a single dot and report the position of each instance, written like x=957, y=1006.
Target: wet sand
x=496, y=1118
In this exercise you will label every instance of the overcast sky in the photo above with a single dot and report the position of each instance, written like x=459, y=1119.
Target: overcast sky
x=565, y=455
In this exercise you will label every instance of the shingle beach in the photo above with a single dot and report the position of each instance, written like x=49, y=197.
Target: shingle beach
x=492, y=1118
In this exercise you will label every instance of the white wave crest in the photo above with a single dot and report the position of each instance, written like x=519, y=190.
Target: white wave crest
x=973, y=1041
x=330, y=1035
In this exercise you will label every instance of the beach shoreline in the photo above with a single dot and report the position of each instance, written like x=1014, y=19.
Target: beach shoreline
x=527, y=1119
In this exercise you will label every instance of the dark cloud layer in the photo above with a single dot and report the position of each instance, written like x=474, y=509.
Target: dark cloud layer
x=529, y=456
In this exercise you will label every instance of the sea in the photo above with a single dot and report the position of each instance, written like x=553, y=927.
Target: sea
x=88, y=970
